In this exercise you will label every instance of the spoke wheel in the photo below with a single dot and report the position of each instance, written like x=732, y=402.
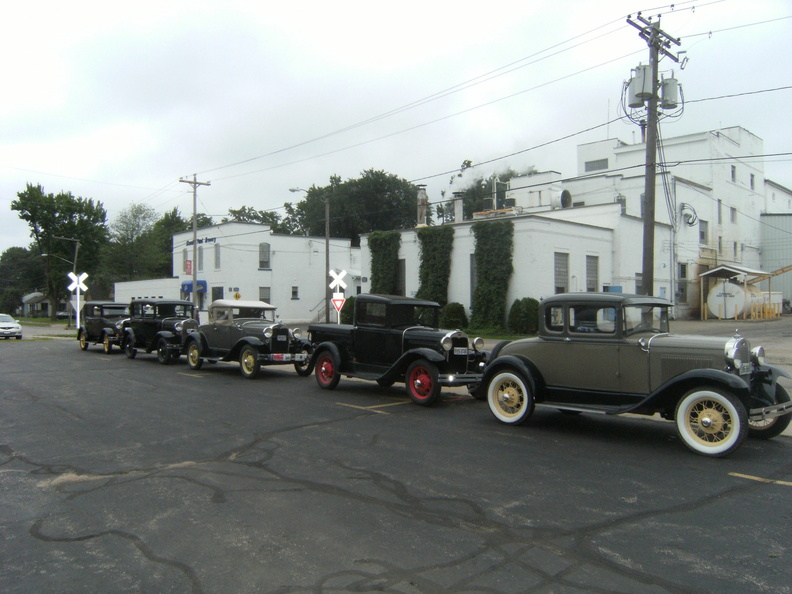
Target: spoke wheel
x=194, y=356
x=129, y=349
x=711, y=422
x=106, y=345
x=327, y=371
x=163, y=352
x=249, y=363
x=421, y=382
x=306, y=368
x=769, y=428
x=83, y=341
x=509, y=397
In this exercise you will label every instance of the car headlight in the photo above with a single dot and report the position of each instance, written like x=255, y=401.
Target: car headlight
x=296, y=333
x=446, y=342
x=478, y=343
x=758, y=355
x=268, y=332
x=178, y=326
x=737, y=351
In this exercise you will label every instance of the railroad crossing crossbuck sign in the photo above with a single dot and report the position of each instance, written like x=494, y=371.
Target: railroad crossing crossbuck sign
x=77, y=281
x=338, y=296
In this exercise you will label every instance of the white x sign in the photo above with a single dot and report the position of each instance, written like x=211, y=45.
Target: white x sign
x=78, y=281
x=337, y=282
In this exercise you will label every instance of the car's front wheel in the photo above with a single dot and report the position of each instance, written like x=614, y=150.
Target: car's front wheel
x=129, y=348
x=163, y=352
x=83, y=341
x=421, y=382
x=194, y=359
x=327, y=371
x=509, y=397
x=107, y=346
x=305, y=368
x=249, y=362
x=711, y=422
x=769, y=428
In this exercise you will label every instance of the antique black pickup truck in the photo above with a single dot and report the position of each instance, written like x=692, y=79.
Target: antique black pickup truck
x=397, y=339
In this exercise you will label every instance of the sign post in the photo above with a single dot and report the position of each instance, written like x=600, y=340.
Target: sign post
x=338, y=299
x=77, y=285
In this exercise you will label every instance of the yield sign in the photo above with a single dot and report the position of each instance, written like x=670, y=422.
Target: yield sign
x=337, y=282
x=78, y=281
x=338, y=304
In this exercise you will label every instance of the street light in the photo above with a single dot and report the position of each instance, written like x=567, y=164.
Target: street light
x=327, y=252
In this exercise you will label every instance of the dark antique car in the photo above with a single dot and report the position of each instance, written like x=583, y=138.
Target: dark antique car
x=612, y=353
x=158, y=325
x=397, y=339
x=102, y=322
x=246, y=331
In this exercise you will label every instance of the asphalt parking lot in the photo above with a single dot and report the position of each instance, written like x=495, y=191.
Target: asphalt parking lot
x=126, y=475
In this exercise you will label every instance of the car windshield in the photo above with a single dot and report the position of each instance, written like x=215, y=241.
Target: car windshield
x=6, y=318
x=256, y=313
x=174, y=310
x=116, y=311
x=645, y=318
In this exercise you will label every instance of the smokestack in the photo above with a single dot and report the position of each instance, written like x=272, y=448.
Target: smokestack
x=459, y=211
x=423, y=203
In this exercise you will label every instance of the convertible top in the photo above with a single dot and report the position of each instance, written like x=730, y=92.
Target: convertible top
x=241, y=304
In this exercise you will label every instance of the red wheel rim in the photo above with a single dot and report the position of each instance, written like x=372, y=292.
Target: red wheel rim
x=421, y=382
x=325, y=368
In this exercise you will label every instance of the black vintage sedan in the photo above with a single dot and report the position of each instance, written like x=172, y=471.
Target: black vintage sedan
x=102, y=322
x=246, y=331
x=612, y=353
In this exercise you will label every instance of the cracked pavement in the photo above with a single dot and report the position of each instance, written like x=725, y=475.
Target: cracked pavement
x=126, y=475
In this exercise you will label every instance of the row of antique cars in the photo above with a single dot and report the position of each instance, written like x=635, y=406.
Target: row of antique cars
x=595, y=352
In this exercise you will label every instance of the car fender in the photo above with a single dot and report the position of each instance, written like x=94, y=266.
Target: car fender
x=768, y=378
x=519, y=364
x=166, y=334
x=326, y=346
x=669, y=393
x=129, y=333
x=109, y=331
x=195, y=336
x=253, y=341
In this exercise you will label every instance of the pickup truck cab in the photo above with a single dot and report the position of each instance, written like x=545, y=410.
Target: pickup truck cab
x=397, y=339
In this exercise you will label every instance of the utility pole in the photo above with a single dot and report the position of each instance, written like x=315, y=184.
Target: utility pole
x=659, y=42
x=195, y=183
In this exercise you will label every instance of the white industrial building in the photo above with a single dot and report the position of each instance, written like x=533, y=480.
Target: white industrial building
x=249, y=261
x=586, y=233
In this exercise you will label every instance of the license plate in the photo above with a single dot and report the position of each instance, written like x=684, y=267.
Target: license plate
x=282, y=338
x=746, y=368
x=280, y=357
x=460, y=351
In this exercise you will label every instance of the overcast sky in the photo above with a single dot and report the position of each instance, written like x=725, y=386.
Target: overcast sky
x=117, y=101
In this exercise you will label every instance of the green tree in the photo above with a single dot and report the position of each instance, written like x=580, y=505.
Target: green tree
x=376, y=201
x=130, y=255
x=21, y=272
x=55, y=220
x=278, y=224
x=477, y=192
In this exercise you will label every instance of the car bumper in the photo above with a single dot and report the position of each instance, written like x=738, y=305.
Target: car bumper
x=284, y=358
x=10, y=332
x=769, y=412
x=458, y=379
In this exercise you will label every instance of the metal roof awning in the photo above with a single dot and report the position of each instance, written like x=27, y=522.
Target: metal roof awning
x=731, y=270
x=35, y=297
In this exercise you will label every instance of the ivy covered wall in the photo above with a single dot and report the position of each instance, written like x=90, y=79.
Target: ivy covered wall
x=384, y=248
x=493, y=255
x=435, y=268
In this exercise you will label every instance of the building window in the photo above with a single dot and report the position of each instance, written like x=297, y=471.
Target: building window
x=185, y=259
x=561, y=272
x=217, y=256
x=200, y=258
x=639, y=283
x=734, y=249
x=682, y=288
x=217, y=293
x=295, y=292
x=734, y=173
x=597, y=165
x=265, y=294
x=720, y=212
x=703, y=232
x=753, y=181
x=733, y=215
x=264, y=255
x=592, y=273
x=720, y=245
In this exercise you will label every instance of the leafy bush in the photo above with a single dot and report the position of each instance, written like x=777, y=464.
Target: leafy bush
x=523, y=316
x=453, y=316
x=348, y=311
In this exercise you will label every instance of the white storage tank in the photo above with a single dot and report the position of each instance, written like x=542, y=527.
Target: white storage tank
x=730, y=300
